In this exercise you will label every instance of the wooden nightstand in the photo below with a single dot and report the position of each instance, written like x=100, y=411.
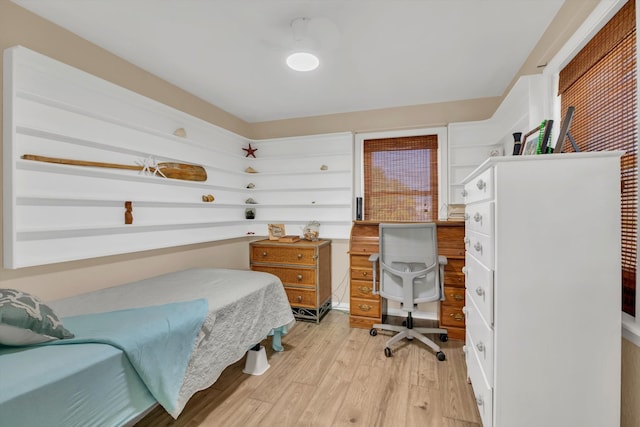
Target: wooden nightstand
x=304, y=268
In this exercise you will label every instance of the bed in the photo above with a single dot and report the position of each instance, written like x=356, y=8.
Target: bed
x=90, y=380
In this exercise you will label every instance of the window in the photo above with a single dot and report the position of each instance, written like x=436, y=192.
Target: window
x=401, y=178
x=600, y=82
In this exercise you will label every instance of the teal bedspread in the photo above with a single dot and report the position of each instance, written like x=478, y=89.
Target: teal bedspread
x=157, y=340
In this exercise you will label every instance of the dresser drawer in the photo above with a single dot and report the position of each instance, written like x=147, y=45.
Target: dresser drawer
x=479, y=217
x=479, y=283
x=284, y=255
x=453, y=296
x=482, y=392
x=481, y=336
x=479, y=188
x=290, y=276
x=451, y=316
x=364, y=307
x=480, y=246
x=301, y=297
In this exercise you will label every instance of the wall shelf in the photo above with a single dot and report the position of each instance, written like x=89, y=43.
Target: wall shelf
x=56, y=212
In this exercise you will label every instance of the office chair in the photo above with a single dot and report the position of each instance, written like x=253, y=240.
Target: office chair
x=411, y=272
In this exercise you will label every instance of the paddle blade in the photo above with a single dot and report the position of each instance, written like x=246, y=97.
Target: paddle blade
x=183, y=171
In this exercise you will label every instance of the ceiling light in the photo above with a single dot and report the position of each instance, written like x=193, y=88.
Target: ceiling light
x=303, y=61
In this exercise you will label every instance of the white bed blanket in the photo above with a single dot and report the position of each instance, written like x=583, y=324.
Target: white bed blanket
x=244, y=306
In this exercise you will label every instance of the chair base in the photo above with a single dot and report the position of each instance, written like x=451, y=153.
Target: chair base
x=411, y=333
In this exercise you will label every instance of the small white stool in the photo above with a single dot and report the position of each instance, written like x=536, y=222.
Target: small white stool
x=256, y=363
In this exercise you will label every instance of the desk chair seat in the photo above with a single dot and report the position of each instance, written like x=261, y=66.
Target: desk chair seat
x=411, y=272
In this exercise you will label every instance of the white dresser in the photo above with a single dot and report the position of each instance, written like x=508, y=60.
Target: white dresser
x=543, y=300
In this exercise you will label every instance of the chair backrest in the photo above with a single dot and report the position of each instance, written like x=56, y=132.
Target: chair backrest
x=409, y=263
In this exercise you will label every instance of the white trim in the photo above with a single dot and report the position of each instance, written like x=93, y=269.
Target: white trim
x=443, y=161
x=392, y=312
x=630, y=329
x=340, y=306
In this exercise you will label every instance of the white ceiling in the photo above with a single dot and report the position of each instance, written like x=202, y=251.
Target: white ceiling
x=374, y=54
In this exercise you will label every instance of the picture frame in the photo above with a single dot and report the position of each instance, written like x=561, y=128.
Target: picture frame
x=530, y=147
x=276, y=231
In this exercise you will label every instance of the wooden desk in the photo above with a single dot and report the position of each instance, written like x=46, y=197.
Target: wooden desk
x=367, y=309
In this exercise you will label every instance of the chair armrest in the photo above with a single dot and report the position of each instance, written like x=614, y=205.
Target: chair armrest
x=374, y=257
x=442, y=260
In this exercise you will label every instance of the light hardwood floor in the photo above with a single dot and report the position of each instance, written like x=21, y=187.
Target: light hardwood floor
x=333, y=375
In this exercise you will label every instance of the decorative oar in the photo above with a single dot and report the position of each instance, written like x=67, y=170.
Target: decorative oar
x=183, y=171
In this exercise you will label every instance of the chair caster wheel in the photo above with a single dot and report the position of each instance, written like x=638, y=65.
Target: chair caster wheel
x=440, y=355
x=373, y=332
x=387, y=351
x=444, y=337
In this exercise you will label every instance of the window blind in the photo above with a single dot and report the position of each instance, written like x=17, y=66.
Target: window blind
x=600, y=82
x=401, y=179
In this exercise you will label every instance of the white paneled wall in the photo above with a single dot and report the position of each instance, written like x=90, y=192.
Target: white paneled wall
x=55, y=213
x=471, y=143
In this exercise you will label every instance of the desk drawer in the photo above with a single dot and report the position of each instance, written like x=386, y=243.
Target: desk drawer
x=451, y=316
x=362, y=274
x=453, y=296
x=361, y=289
x=453, y=274
x=480, y=188
x=364, y=307
x=479, y=284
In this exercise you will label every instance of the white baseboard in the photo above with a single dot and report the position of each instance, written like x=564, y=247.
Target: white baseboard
x=343, y=306
x=631, y=331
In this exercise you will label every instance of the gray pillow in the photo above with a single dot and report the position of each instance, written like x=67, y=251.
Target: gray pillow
x=24, y=320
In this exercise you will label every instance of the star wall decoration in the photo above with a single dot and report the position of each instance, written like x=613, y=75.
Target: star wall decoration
x=250, y=151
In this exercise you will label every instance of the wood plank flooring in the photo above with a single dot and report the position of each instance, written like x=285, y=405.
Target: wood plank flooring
x=333, y=375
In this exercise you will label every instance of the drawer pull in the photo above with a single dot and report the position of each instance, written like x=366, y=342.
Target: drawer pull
x=466, y=217
x=467, y=241
x=464, y=193
x=464, y=270
x=457, y=297
x=299, y=256
x=299, y=298
x=480, y=346
x=264, y=254
x=477, y=217
x=459, y=279
x=364, y=273
x=457, y=316
x=364, y=289
x=478, y=247
x=479, y=401
x=365, y=307
x=299, y=276
x=479, y=291
x=481, y=184
x=314, y=257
